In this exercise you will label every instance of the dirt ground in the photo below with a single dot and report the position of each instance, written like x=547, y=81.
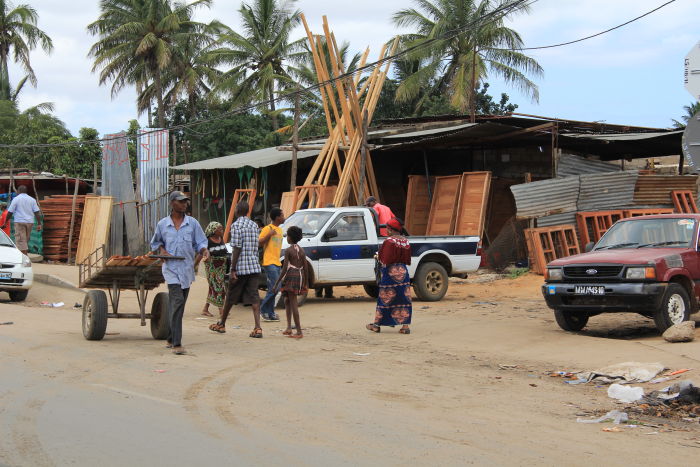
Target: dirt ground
x=470, y=385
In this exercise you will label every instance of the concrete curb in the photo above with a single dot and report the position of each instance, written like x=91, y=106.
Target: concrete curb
x=56, y=281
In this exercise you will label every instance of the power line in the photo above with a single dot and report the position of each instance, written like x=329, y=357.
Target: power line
x=600, y=33
x=492, y=16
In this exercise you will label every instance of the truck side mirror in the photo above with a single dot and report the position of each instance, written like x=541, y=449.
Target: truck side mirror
x=589, y=246
x=330, y=233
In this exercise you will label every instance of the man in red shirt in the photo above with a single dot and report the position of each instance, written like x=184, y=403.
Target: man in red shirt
x=384, y=214
x=3, y=218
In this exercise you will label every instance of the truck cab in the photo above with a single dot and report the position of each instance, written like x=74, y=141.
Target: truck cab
x=648, y=265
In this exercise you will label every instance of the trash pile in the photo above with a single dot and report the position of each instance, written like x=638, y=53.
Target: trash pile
x=678, y=401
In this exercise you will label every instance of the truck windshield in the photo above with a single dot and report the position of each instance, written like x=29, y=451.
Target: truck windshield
x=5, y=240
x=649, y=233
x=310, y=222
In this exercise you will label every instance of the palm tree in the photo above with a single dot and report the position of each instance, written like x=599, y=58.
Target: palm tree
x=19, y=35
x=259, y=56
x=191, y=73
x=690, y=111
x=454, y=64
x=138, y=40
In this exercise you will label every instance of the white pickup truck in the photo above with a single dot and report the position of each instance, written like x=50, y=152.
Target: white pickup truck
x=340, y=244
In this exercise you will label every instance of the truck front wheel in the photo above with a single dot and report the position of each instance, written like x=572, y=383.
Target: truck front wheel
x=674, y=309
x=430, y=282
x=571, y=320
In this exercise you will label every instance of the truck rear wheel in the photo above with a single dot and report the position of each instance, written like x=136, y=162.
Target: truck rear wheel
x=571, y=320
x=430, y=282
x=371, y=290
x=674, y=309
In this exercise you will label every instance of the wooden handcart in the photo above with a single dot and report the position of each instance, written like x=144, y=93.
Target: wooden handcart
x=96, y=272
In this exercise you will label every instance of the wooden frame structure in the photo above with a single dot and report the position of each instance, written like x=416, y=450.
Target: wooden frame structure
x=94, y=230
x=645, y=212
x=475, y=188
x=347, y=118
x=592, y=225
x=418, y=204
x=683, y=201
x=238, y=196
x=545, y=244
x=441, y=220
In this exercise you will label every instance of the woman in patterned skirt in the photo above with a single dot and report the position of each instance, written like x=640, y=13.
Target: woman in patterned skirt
x=215, y=267
x=394, y=300
x=293, y=280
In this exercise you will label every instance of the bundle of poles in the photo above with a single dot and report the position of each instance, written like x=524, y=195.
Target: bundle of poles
x=348, y=108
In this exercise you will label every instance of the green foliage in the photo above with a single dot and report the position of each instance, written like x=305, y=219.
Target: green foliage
x=517, y=272
x=455, y=66
x=690, y=111
x=230, y=135
x=19, y=35
x=389, y=107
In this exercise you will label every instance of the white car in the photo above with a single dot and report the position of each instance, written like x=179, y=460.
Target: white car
x=16, y=276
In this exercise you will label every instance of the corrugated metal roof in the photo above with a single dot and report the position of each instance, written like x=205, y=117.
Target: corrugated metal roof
x=430, y=132
x=557, y=219
x=614, y=190
x=621, y=136
x=258, y=158
x=546, y=197
x=569, y=165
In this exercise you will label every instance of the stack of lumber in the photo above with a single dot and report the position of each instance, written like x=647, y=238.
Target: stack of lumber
x=349, y=108
x=57, y=211
x=116, y=260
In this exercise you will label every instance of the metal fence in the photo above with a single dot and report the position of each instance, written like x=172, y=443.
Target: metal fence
x=153, y=156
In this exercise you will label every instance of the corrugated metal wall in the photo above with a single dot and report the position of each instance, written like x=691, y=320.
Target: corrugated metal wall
x=570, y=165
x=546, y=197
x=153, y=157
x=607, y=191
x=654, y=190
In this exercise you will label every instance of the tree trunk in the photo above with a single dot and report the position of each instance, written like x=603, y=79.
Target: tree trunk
x=273, y=115
x=472, y=100
x=159, y=96
x=192, y=110
x=4, y=77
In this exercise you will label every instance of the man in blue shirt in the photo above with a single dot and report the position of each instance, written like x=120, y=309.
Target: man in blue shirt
x=24, y=210
x=178, y=235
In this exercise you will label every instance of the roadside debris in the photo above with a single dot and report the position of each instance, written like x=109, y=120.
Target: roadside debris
x=6, y=323
x=625, y=393
x=615, y=416
x=507, y=367
x=628, y=372
x=683, y=332
x=53, y=305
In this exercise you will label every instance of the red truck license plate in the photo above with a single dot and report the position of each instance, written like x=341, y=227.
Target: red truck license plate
x=589, y=290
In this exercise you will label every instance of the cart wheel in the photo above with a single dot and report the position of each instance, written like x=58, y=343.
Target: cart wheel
x=95, y=315
x=160, y=325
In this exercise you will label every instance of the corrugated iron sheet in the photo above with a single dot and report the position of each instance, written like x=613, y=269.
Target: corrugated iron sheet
x=599, y=192
x=570, y=165
x=557, y=219
x=153, y=155
x=546, y=197
x=656, y=189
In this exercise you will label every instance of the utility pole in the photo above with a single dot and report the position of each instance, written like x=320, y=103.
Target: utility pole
x=295, y=142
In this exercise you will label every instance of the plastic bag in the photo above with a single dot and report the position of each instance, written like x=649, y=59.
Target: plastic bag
x=625, y=393
x=615, y=416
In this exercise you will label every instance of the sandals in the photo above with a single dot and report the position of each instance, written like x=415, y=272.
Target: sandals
x=206, y=313
x=373, y=327
x=295, y=336
x=405, y=331
x=179, y=350
x=257, y=333
x=287, y=332
x=217, y=327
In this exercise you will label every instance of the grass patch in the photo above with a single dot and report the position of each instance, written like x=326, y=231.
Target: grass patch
x=517, y=272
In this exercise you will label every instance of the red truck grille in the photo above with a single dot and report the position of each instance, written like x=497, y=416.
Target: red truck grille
x=592, y=272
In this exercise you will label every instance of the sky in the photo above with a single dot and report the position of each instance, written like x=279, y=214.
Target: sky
x=633, y=75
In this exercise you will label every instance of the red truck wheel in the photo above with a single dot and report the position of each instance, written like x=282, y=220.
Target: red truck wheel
x=571, y=320
x=674, y=309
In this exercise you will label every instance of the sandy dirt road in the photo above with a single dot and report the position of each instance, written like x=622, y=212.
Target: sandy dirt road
x=340, y=396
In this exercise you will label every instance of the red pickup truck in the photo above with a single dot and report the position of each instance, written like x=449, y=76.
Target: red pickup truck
x=648, y=265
